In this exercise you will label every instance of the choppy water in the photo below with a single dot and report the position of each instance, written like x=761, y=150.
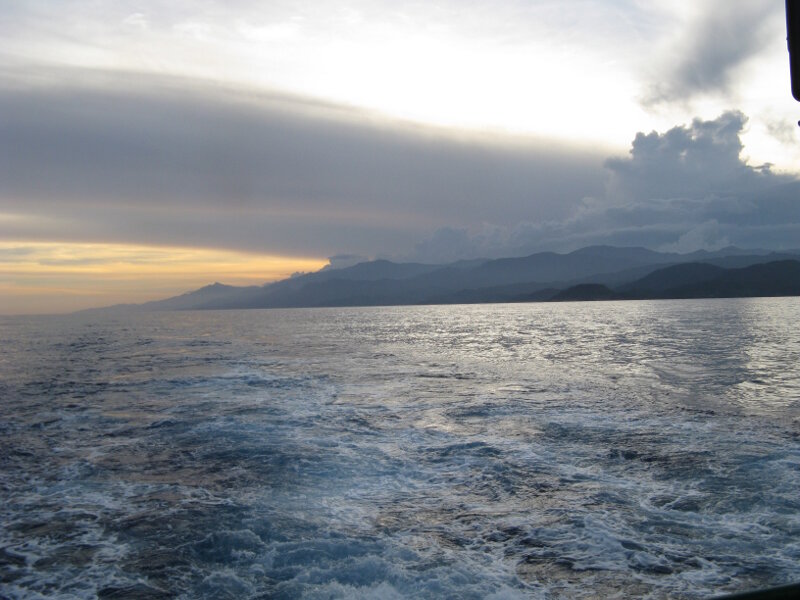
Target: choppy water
x=637, y=449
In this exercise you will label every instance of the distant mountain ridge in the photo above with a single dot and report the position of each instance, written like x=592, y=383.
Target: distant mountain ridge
x=612, y=272
x=699, y=280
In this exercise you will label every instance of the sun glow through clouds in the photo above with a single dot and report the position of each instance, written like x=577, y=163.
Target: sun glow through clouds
x=86, y=275
x=362, y=127
x=572, y=72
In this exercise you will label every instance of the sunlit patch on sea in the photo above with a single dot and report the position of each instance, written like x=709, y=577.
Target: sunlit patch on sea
x=593, y=450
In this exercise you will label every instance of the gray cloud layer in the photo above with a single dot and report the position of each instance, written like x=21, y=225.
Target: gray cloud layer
x=682, y=190
x=704, y=60
x=158, y=161
x=689, y=162
x=165, y=161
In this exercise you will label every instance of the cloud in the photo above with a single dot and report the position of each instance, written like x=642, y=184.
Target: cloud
x=143, y=159
x=705, y=59
x=706, y=236
x=169, y=162
x=450, y=244
x=690, y=188
x=16, y=254
x=692, y=161
x=783, y=130
x=681, y=190
x=341, y=261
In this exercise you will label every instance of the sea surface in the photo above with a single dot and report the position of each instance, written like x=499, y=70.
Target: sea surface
x=574, y=450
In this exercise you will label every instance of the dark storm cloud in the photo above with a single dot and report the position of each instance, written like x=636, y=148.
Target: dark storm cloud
x=694, y=161
x=681, y=190
x=705, y=59
x=151, y=160
x=693, y=180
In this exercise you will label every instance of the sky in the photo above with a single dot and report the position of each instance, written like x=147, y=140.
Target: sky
x=149, y=148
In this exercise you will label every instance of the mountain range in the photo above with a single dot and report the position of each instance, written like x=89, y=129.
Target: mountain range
x=591, y=273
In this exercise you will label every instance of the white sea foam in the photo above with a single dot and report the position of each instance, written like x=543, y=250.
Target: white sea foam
x=645, y=449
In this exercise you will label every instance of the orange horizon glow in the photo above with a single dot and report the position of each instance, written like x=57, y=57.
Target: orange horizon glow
x=58, y=277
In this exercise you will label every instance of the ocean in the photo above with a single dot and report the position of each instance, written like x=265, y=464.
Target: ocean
x=561, y=450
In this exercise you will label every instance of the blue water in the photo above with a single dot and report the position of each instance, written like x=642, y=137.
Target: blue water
x=588, y=450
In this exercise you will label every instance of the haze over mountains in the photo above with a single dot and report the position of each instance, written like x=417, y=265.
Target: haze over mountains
x=592, y=273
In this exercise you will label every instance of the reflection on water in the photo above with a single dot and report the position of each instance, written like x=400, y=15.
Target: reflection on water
x=630, y=449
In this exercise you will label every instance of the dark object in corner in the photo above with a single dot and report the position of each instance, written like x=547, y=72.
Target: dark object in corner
x=793, y=41
x=784, y=592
